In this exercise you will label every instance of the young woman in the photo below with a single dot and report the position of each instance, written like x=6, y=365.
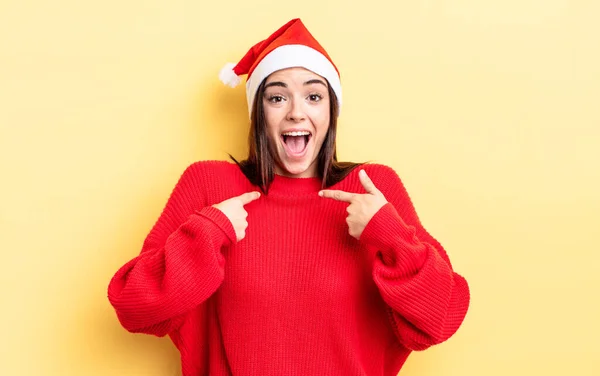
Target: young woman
x=290, y=262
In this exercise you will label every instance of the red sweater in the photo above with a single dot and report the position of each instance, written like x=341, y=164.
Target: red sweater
x=298, y=295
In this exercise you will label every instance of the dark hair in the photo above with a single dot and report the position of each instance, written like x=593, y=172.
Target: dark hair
x=259, y=166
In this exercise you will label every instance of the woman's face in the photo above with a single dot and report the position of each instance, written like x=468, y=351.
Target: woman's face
x=296, y=107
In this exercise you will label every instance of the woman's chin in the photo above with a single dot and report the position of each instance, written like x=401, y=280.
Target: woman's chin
x=300, y=169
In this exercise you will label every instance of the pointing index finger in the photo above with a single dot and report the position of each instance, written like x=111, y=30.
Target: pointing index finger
x=337, y=195
x=248, y=197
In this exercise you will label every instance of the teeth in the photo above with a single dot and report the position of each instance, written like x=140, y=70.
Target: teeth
x=300, y=133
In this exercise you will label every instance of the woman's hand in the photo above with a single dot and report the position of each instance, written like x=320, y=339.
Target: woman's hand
x=233, y=208
x=362, y=206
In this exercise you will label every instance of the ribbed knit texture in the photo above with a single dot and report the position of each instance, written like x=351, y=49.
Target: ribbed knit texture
x=298, y=295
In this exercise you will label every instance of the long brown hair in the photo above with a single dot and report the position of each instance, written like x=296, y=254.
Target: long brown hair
x=259, y=166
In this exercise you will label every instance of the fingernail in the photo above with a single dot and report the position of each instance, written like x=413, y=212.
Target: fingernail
x=321, y=193
x=362, y=172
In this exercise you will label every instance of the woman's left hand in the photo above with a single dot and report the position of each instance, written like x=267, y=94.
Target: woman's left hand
x=362, y=206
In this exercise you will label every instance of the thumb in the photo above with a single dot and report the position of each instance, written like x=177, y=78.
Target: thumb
x=367, y=183
x=248, y=197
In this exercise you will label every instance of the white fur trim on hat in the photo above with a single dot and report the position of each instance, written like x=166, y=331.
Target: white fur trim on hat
x=290, y=56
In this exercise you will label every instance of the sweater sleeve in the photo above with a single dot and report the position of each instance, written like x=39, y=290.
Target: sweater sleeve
x=180, y=265
x=427, y=299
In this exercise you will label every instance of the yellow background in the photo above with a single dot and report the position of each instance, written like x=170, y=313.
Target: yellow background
x=488, y=110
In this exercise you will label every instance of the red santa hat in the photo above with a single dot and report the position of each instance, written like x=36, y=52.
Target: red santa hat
x=290, y=46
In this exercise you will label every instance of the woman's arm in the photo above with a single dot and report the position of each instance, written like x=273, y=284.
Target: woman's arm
x=428, y=300
x=180, y=265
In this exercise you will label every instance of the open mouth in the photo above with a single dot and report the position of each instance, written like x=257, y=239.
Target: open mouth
x=296, y=141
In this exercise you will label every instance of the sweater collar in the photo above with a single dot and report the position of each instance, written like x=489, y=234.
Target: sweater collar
x=287, y=185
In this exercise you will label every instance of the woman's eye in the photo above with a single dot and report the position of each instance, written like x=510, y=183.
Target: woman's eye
x=315, y=97
x=275, y=98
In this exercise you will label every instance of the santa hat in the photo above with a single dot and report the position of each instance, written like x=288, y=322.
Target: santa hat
x=290, y=46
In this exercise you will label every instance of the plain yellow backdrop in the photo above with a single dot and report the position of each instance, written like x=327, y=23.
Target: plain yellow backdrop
x=488, y=110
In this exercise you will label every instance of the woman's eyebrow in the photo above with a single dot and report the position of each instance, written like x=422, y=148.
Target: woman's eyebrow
x=315, y=81
x=276, y=83
x=283, y=84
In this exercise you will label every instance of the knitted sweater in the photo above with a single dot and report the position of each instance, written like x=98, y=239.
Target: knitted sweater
x=298, y=295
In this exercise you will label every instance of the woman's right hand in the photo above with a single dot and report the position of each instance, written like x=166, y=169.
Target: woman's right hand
x=233, y=209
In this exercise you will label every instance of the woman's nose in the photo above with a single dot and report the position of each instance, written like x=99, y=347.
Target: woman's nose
x=296, y=112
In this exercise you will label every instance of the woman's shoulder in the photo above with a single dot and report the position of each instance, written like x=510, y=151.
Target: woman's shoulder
x=384, y=177
x=378, y=171
x=215, y=180
x=212, y=169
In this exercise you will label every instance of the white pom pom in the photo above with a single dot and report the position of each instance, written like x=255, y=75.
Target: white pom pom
x=228, y=76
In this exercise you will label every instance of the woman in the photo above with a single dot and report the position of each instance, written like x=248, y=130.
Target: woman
x=298, y=279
